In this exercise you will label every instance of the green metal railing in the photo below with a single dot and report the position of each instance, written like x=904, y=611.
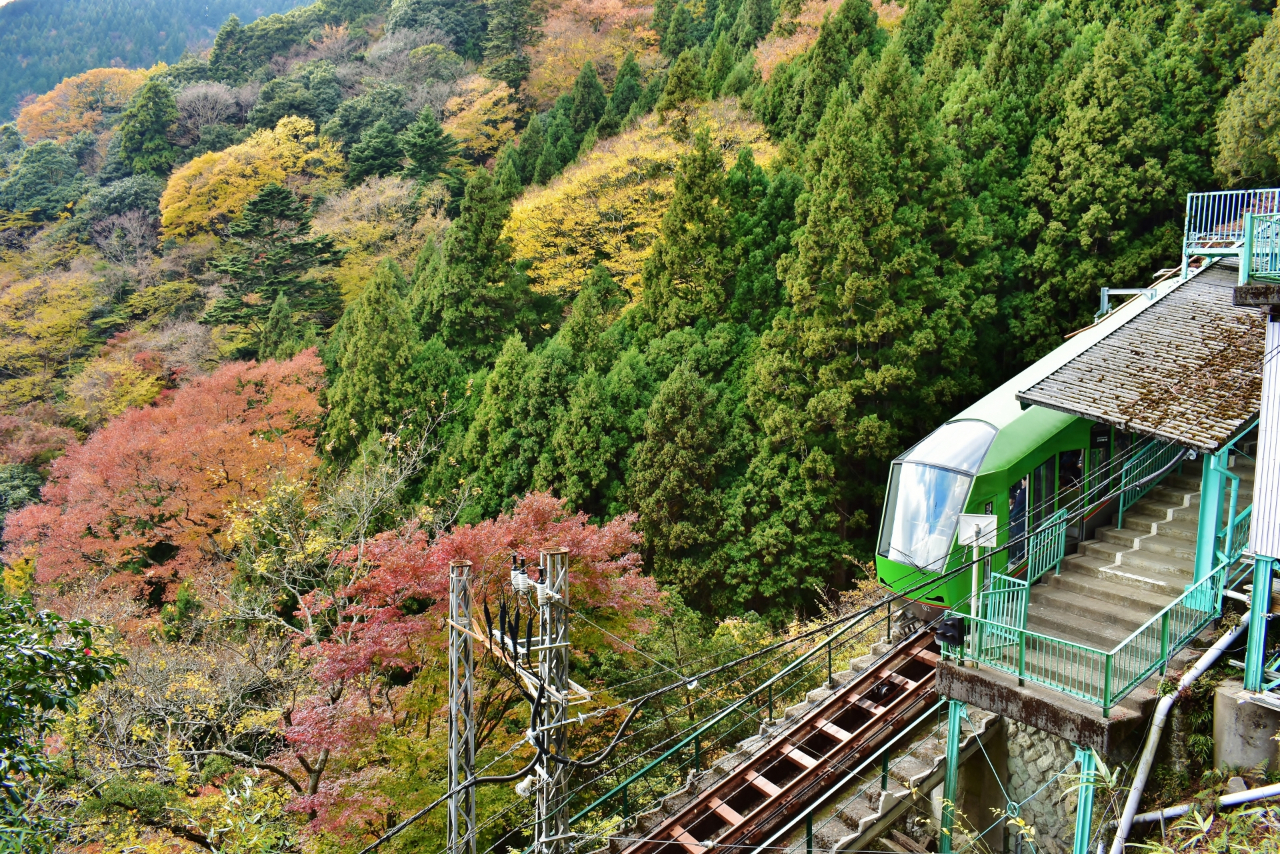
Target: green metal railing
x=1151, y=459
x=667, y=772
x=1261, y=246
x=1101, y=677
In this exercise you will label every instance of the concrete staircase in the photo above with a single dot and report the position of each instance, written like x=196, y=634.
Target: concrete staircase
x=1118, y=581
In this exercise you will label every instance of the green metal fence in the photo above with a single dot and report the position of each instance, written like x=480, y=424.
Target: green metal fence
x=1101, y=677
x=1151, y=459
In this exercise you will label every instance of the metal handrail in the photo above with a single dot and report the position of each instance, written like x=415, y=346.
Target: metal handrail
x=1140, y=467
x=1215, y=220
x=694, y=739
x=1146, y=650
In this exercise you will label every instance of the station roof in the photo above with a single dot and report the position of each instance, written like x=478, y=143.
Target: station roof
x=1186, y=367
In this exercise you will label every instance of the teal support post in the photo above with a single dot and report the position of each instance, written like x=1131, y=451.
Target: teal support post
x=1084, y=804
x=955, y=712
x=1211, y=489
x=1259, y=605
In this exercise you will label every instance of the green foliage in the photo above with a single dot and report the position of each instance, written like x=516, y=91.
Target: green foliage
x=270, y=252
x=311, y=91
x=177, y=618
x=678, y=36
x=512, y=27
x=1249, y=120
x=145, y=128
x=19, y=486
x=280, y=339
x=683, y=84
x=43, y=43
x=463, y=21
x=918, y=26
x=377, y=153
x=588, y=100
x=46, y=663
x=45, y=181
x=375, y=362
x=354, y=117
x=136, y=193
x=472, y=295
x=428, y=147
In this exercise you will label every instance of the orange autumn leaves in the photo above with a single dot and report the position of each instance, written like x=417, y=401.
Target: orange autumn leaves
x=141, y=504
x=79, y=104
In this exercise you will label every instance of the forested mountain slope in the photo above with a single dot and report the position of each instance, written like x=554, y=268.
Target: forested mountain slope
x=43, y=41
x=290, y=324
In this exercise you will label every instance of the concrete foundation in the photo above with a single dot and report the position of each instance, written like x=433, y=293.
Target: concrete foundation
x=1041, y=708
x=1243, y=732
x=1035, y=758
x=979, y=790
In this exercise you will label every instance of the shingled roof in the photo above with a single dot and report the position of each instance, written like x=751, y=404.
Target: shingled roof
x=1187, y=368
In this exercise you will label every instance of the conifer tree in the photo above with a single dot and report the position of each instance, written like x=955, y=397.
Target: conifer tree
x=559, y=146
x=673, y=477
x=885, y=283
x=145, y=128
x=752, y=23
x=427, y=145
x=684, y=83
x=506, y=172
x=377, y=153
x=918, y=25
x=471, y=295
x=512, y=27
x=280, y=338
x=530, y=149
x=661, y=20
x=685, y=277
x=1249, y=119
x=843, y=36
x=588, y=100
x=610, y=123
x=375, y=383
x=719, y=65
x=627, y=86
x=270, y=252
x=678, y=37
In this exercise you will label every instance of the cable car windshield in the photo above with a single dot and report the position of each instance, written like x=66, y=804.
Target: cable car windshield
x=927, y=490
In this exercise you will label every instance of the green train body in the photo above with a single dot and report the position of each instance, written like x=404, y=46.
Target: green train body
x=998, y=458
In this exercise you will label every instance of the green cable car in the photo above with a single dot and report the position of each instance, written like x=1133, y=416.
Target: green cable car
x=1020, y=464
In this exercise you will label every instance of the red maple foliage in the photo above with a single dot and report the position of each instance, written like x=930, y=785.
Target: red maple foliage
x=396, y=622
x=140, y=505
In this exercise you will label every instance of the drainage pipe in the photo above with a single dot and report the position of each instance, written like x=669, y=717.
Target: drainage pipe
x=1232, y=800
x=1157, y=728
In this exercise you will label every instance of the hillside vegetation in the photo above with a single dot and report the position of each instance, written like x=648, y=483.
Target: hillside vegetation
x=43, y=41
x=290, y=323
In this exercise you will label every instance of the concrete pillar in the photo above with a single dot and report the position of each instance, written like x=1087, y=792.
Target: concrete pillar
x=1243, y=732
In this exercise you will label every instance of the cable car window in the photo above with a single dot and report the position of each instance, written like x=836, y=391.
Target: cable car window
x=1017, y=521
x=1042, y=492
x=921, y=513
x=959, y=445
x=1070, y=469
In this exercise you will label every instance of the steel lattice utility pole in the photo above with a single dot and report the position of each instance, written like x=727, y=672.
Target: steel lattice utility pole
x=553, y=673
x=462, y=723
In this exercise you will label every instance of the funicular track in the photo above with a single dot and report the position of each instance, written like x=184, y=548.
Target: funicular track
x=801, y=765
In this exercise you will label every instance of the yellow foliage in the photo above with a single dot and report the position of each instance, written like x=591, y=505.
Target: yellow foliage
x=576, y=31
x=16, y=578
x=79, y=103
x=608, y=207
x=482, y=116
x=211, y=190
x=44, y=322
x=381, y=218
x=106, y=387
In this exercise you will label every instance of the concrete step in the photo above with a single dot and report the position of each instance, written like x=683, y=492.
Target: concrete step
x=1077, y=584
x=1098, y=634
x=1155, y=562
x=1181, y=527
x=1073, y=605
x=1158, y=543
x=1102, y=550
x=1170, y=494
x=1163, y=584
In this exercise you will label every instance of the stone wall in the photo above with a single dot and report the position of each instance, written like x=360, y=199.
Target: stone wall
x=1035, y=757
